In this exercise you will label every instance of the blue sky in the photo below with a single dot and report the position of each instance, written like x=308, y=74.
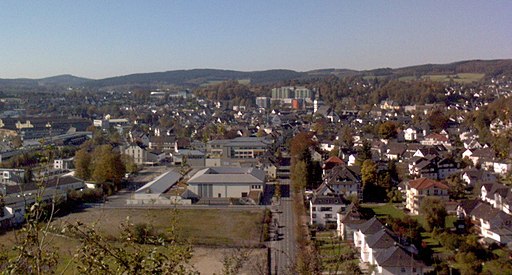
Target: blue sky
x=99, y=39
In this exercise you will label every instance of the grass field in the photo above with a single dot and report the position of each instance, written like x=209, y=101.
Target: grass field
x=385, y=210
x=460, y=78
x=217, y=82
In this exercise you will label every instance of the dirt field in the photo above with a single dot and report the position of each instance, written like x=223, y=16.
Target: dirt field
x=206, y=227
x=209, y=260
x=220, y=230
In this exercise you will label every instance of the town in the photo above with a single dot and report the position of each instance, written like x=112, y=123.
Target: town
x=323, y=175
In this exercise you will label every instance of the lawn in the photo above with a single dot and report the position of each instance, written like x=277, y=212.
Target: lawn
x=390, y=210
x=385, y=210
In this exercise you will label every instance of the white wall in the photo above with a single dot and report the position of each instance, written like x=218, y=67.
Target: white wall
x=226, y=190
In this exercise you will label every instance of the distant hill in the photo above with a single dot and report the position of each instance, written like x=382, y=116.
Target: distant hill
x=60, y=80
x=488, y=67
x=65, y=79
x=199, y=77
x=196, y=77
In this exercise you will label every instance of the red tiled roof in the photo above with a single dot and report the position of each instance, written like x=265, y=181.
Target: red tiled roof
x=334, y=159
x=424, y=183
x=438, y=137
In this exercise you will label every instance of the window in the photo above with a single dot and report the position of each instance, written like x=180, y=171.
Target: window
x=325, y=209
x=328, y=216
x=314, y=208
x=314, y=216
x=402, y=270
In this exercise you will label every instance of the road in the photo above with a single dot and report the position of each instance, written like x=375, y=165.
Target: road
x=284, y=249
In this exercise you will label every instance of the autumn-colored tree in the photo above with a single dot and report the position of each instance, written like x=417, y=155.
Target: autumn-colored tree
x=388, y=130
x=456, y=187
x=299, y=145
x=83, y=163
x=107, y=165
x=369, y=179
x=437, y=120
x=369, y=172
x=299, y=175
x=347, y=136
x=434, y=211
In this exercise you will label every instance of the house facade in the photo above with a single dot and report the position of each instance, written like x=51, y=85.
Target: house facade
x=323, y=209
x=417, y=190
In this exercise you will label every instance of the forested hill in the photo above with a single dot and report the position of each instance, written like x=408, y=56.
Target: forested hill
x=472, y=70
x=197, y=77
x=59, y=80
x=490, y=68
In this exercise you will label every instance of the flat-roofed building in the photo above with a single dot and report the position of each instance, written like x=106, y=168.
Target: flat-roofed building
x=227, y=182
x=237, y=148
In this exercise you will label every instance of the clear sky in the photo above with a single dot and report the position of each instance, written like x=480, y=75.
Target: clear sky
x=106, y=38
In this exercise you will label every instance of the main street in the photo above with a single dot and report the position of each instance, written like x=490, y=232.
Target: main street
x=283, y=247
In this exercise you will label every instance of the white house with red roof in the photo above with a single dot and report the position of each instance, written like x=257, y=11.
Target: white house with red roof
x=418, y=189
x=437, y=139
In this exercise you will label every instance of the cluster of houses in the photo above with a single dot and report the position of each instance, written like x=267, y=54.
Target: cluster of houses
x=236, y=151
x=377, y=244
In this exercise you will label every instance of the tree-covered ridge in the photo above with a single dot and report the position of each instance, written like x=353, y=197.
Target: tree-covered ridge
x=198, y=77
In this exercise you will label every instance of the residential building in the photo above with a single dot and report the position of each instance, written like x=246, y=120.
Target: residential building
x=341, y=180
x=323, y=209
x=492, y=224
x=63, y=164
x=348, y=221
x=418, y=189
x=142, y=156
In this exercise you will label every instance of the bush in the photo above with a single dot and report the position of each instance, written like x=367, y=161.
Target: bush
x=144, y=233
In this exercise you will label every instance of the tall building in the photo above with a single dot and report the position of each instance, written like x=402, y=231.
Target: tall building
x=290, y=92
x=302, y=93
x=283, y=92
x=263, y=102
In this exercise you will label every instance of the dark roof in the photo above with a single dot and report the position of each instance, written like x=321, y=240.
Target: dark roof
x=469, y=205
x=382, y=239
x=371, y=226
x=483, y=153
x=396, y=148
x=396, y=256
x=333, y=199
x=352, y=215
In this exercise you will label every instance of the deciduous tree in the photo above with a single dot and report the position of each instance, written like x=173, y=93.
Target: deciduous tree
x=434, y=211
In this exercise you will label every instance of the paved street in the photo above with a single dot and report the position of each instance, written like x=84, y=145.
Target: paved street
x=284, y=248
